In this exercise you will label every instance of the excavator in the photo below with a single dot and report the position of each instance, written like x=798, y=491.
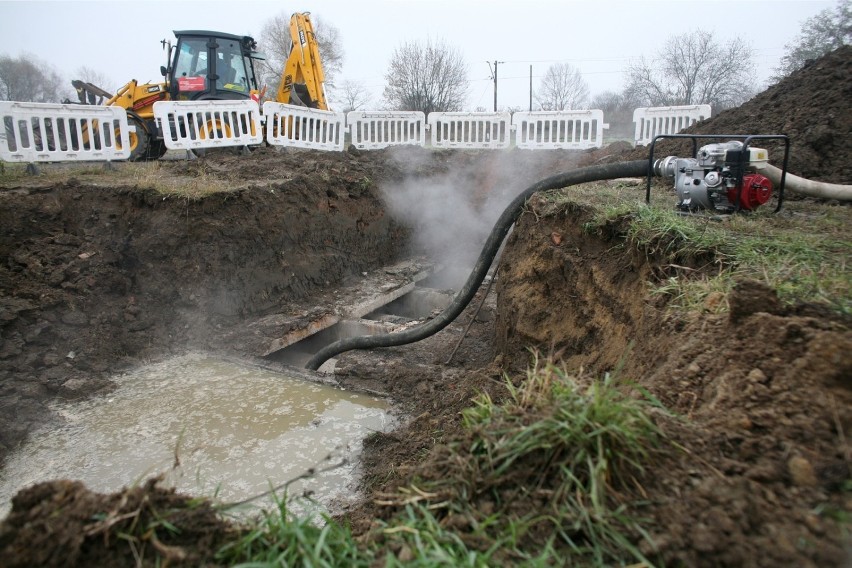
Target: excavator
x=206, y=65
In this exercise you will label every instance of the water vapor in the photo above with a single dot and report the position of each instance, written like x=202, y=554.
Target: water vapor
x=451, y=199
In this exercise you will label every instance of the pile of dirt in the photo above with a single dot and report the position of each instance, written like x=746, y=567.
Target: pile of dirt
x=812, y=106
x=133, y=527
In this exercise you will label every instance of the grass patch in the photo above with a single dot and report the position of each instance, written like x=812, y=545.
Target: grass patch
x=283, y=539
x=537, y=480
x=191, y=182
x=534, y=480
x=802, y=252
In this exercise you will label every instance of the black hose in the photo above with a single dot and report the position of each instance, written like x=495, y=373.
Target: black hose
x=637, y=168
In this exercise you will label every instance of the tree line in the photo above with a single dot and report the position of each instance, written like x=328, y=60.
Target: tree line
x=690, y=68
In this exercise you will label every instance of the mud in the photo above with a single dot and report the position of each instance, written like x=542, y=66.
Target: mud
x=755, y=402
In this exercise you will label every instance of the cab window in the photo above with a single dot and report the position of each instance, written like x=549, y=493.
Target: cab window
x=191, y=58
x=191, y=65
x=231, y=67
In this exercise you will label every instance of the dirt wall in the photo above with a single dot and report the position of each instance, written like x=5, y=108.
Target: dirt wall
x=756, y=399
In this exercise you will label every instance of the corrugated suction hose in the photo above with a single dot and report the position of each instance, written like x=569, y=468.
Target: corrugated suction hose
x=637, y=168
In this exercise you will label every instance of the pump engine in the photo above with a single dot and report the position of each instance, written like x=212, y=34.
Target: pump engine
x=710, y=180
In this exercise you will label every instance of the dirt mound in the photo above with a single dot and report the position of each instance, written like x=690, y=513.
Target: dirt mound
x=61, y=523
x=812, y=106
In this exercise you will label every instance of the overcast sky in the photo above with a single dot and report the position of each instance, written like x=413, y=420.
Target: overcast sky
x=121, y=39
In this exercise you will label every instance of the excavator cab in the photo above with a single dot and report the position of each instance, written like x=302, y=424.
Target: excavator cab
x=212, y=66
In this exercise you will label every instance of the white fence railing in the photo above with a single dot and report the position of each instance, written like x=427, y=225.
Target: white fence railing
x=470, y=129
x=189, y=125
x=653, y=121
x=303, y=127
x=373, y=130
x=48, y=132
x=40, y=132
x=570, y=129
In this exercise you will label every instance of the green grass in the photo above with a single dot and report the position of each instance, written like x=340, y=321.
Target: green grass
x=583, y=441
x=539, y=479
x=283, y=539
x=803, y=252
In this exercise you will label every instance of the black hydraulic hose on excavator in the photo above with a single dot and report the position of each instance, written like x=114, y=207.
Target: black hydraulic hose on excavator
x=637, y=168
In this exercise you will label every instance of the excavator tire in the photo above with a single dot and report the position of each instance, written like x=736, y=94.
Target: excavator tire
x=140, y=141
x=158, y=150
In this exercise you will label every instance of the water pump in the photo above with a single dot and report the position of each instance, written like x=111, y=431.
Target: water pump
x=720, y=178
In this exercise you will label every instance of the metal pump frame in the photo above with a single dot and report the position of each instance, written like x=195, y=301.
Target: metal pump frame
x=743, y=161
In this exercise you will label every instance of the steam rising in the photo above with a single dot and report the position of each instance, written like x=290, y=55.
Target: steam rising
x=451, y=199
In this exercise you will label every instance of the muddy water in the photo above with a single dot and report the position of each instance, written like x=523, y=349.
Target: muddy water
x=236, y=430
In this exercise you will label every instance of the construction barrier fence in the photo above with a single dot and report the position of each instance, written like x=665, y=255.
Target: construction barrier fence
x=570, y=129
x=193, y=125
x=48, y=132
x=302, y=127
x=41, y=132
x=653, y=121
x=373, y=130
x=470, y=129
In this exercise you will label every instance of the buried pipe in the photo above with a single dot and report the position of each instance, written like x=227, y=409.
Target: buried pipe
x=636, y=168
x=820, y=189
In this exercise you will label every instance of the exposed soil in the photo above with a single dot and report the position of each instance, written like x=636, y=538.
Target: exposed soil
x=95, y=279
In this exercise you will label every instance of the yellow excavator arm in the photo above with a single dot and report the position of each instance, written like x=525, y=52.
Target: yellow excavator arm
x=303, y=77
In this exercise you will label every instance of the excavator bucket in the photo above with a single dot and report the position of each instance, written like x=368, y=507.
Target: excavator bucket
x=90, y=94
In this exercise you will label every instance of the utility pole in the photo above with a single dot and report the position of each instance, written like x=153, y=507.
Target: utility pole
x=494, y=76
x=530, y=88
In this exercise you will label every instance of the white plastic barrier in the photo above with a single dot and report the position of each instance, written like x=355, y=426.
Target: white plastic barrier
x=653, y=121
x=188, y=125
x=372, y=130
x=564, y=129
x=303, y=127
x=470, y=129
x=48, y=132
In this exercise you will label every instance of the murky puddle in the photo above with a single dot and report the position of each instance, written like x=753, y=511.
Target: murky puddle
x=237, y=431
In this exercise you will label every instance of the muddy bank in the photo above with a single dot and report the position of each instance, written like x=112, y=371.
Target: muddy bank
x=97, y=278
x=758, y=397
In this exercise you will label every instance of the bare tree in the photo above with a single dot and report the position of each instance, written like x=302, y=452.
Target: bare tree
x=825, y=32
x=89, y=75
x=275, y=43
x=353, y=96
x=27, y=79
x=618, y=112
x=562, y=88
x=428, y=78
x=693, y=68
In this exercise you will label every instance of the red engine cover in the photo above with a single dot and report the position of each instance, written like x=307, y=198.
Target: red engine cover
x=756, y=190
